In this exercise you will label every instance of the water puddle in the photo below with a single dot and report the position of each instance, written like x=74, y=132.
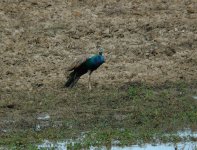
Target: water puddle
x=43, y=121
x=187, y=133
x=43, y=116
x=166, y=146
x=189, y=145
x=194, y=97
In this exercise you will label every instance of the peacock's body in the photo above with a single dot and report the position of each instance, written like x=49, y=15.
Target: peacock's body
x=82, y=66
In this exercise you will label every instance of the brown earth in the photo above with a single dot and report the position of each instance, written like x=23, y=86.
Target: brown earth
x=152, y=41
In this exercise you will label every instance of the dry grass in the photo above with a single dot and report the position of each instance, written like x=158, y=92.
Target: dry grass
x=144, y=40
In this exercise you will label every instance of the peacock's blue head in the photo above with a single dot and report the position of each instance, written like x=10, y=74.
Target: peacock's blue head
x=101, y=50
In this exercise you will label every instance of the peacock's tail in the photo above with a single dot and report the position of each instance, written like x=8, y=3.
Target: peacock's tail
x=72, y=79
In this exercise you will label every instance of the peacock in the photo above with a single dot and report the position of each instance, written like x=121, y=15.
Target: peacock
x=83, y=65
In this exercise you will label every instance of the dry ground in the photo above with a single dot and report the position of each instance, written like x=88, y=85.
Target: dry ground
x=151, y=41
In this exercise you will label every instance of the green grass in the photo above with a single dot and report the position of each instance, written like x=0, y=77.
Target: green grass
x=130, y=114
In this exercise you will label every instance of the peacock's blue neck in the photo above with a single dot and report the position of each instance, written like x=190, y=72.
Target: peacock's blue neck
x=95, y=61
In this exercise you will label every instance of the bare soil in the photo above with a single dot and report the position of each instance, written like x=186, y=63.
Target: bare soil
x=151, y=41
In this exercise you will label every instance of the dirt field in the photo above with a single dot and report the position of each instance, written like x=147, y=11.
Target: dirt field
x=147, y=42
x=152, y=41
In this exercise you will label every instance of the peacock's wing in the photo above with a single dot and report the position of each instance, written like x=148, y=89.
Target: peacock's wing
x=78, y=62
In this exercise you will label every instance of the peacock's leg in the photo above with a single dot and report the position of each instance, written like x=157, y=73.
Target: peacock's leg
x=89, y=80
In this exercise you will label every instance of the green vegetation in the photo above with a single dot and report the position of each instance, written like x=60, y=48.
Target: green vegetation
x=133, y=113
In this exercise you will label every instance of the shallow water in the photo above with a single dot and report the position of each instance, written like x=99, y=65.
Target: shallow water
x=43, y=116
x=159, y=146
x=187, y=133
x=195, y=97
x=167, y=146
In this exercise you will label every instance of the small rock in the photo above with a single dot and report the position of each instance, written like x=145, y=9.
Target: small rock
x=38, y=128
x=43, y=116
